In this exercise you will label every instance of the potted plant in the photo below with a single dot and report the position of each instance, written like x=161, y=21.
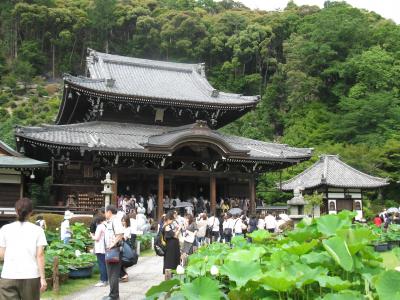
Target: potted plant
x=81, y=266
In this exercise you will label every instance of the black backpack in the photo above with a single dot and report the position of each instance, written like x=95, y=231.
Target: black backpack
x=160, y=245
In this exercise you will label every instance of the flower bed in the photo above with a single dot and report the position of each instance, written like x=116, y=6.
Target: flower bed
x=325, y=258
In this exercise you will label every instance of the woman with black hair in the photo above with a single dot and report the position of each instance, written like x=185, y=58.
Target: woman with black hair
x=173, y=253
x=22, y=248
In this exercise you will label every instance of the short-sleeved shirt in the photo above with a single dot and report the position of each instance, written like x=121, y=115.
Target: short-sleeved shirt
x=20, y=240
x=113, y=227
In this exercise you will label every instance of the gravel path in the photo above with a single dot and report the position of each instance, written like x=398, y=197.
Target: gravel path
x=146, y=273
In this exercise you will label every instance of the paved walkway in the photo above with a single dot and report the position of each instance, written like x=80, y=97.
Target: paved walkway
x=145, y=274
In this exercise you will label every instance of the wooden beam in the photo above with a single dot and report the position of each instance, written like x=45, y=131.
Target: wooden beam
x=213, y=193
x=252, y=195
x=114, y=197
x=160, y=197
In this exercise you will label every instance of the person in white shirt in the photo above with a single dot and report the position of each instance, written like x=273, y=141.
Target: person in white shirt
x=127, y=237
x=213, y=224
x=65, y=229
x=237, y=226
x=227, y=228
x=202, y=227
x=22, y=248
x=114, y=234
x=134, y=229
x=270, y=223
x=261, y=221
x=99, y=249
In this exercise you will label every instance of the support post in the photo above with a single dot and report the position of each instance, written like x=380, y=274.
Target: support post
x=114, y=176
x=213, y=193
x=160, y=196
x=22, y=182
x=252, y=193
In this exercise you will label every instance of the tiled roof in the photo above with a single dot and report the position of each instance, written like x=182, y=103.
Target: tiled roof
x=127, y=137
x=17, y=160
x=331, y=171
x=128, y=76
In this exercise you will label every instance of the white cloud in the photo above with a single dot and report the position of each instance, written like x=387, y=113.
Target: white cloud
x=389, y=9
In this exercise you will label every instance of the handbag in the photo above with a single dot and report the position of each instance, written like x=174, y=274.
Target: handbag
x=210, y=228
x=189, y=237
x=112, y=255
x=228, y=231
x=129, y=257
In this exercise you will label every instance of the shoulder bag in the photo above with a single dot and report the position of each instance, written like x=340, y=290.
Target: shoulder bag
x=112, y=255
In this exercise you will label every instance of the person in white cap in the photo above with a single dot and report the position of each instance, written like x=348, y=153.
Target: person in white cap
x=65, y=229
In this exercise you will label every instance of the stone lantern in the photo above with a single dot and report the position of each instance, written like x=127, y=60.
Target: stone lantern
x=107, y=191
x=296, y=205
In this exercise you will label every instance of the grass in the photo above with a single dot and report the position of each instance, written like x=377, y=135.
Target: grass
x=390, y=260
x=71, y=286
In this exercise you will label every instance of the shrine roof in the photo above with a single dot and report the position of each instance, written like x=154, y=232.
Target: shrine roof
x=127, y=137
x=150, y=79
x=329, y=170
x=14, y=160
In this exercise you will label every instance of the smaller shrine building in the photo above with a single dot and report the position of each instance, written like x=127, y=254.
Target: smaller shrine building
x=342, y=186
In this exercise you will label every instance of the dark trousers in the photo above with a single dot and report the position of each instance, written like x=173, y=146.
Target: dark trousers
x=102, y=266
x=20, y=289
x=113, y=279
x=214, y=236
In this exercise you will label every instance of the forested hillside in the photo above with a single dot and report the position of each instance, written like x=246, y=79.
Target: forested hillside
x=329, y=78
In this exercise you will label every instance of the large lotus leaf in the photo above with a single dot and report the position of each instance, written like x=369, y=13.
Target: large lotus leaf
x=252, y=254
x=304, y=274
x=164, y=287
x=202, y=288
x=329, y=224
x=349, y=296
x=259, y=236
x=281, y=258
x=335, y=283
x=347, y=215
x=239, y=241
x=299, y=249
x=388, y=285
x=278, y=281
x=241, y=271
x=356, y=238
x=338, y=249
x=316, y=258
x=303, y=234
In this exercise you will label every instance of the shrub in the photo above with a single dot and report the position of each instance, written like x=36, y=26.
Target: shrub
x=87, y=220
x=10, y=81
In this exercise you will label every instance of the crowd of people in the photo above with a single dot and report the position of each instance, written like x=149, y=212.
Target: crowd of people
x=184, y=234
x=385, y=218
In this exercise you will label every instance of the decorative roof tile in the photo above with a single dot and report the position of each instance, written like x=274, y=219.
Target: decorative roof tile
x=331, y=171
x=128, y=76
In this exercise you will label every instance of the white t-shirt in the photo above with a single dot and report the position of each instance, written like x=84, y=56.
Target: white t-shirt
x=65, y=230
x=270, y=222
x=99, y=244
x=237, y=223
x=261, y=224
x=113, y=228
x=133, y=227
x=21, y=241
x=214, y=222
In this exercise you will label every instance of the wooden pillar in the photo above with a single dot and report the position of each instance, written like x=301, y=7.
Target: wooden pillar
x=252, y=193
x=160, y=197
x=22, y=182
x=213, y=193
x=114, y=197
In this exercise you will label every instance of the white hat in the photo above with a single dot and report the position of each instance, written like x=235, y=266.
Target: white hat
x=68, y=215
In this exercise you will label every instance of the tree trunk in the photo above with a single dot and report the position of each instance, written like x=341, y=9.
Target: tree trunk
x=53, y=61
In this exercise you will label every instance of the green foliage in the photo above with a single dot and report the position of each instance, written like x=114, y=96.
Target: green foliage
x=334, y=261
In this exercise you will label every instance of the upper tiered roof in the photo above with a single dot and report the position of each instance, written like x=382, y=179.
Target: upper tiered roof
x=159, y=81
x=329, y=170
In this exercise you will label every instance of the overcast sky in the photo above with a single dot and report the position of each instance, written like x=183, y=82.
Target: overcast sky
x=389, y=9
